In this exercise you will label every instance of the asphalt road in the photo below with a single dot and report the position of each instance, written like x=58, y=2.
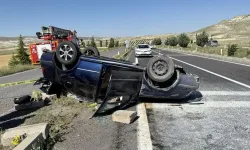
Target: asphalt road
x=219, y=121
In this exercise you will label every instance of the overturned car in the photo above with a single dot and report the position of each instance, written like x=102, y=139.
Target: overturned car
x=101, y=79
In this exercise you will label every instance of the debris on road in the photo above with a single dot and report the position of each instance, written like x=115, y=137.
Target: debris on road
x=9, y=134
x=32, y=141
x=29, y=105
x=124, y=116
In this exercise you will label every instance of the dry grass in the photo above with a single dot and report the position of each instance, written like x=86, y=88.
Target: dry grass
x=6, y=70
x=4, y=59
x=59, y=115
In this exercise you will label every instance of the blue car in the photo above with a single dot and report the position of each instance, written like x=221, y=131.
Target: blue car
x=111, y=82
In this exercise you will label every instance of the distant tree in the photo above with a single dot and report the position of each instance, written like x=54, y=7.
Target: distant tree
x=106, y=43
x=83, y=43
x=183, y=40
x=22, y=56
x=232, y=49
x=202, y=39
x=167, y=41
x=100, y=43
x=173, y=41
x=117, y=44
x=111, y=43
x=191, y=41
x=92, y=43
x=157, y=41
x=88, y=43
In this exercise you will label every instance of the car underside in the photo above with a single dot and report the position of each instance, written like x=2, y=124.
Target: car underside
x=111, y=82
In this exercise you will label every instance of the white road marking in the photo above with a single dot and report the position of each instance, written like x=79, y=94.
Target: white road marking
x=229, y=79
x=206, y=104
x=143, y=134
x=136, y=60
x=214, y=59
x=225, y=93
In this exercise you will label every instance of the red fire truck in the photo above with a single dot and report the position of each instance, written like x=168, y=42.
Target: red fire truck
x=51, y=36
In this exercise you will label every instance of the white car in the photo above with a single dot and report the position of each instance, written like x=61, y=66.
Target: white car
x=143, y=50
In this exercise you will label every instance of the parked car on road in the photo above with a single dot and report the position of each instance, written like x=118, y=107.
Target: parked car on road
x=143, y=50
x=101, y=79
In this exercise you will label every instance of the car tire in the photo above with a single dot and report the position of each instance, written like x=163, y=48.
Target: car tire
x=67, y=53
x=160, y=68
x=91, y=51
x=22, y=99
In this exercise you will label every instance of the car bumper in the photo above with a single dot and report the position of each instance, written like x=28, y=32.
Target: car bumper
x=143, y=53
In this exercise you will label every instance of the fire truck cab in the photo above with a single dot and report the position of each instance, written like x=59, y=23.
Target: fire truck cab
x=51, y=36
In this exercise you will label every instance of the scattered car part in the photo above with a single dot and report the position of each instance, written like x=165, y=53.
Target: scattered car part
x=22, y=99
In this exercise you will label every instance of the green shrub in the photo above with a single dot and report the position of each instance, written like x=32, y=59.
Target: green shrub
x=111, y=43
x=248, y=52
x=13, y=61
x=100, y=43
x=117, y=44
x=92, y=43
x=183, y=40
x=173, y=41
x=157, y=41
x=83, y=44
x=22, y=56
x=106, y=43
x=232, y=49
x=202, y=39
x=167, y=41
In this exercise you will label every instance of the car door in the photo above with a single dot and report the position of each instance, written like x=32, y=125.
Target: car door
x=86, y=79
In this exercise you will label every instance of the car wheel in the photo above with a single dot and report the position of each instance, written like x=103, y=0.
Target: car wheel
x=67, y=53
x=91, y=51
x=160, y=68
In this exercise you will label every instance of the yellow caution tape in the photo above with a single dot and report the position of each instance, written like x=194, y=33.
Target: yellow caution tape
x=17, y=83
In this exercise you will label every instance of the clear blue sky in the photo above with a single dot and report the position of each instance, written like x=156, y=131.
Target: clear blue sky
x=116, y=17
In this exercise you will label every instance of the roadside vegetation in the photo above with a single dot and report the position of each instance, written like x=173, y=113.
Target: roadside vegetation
x=6, y=70
x=184, y=42
x=102, y=46
x=19, y=61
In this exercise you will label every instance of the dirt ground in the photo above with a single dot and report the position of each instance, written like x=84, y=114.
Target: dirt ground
x=4, y=59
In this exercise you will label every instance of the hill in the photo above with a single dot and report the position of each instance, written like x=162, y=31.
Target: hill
x=235, y=30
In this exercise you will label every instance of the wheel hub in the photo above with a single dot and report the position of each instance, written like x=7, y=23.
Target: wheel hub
x=160, y=68
x=66, y=52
